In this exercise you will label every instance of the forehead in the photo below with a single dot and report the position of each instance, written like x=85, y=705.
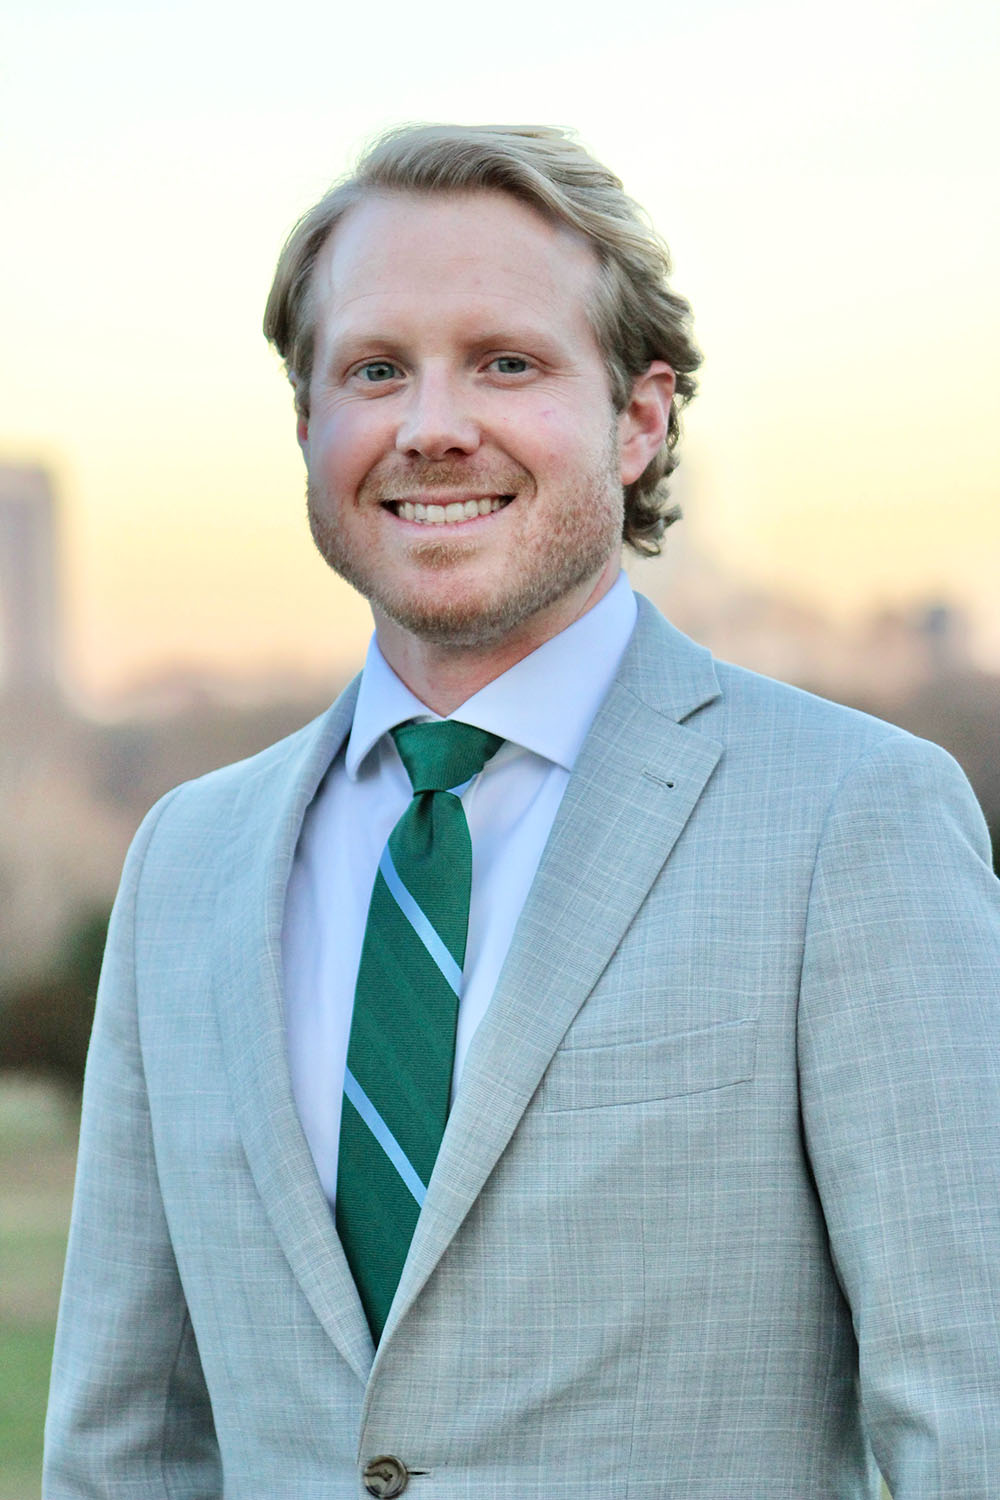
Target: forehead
x=402, y=254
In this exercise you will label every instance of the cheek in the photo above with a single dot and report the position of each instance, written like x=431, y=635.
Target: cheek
x=555, y=437
x=346, y=447
x=565, y=446
x=574, y=426
x=552, y=438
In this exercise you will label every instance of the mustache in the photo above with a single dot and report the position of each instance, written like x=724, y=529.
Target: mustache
x=391, y=484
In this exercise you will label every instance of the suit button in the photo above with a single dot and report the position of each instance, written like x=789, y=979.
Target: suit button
x=386, y=1476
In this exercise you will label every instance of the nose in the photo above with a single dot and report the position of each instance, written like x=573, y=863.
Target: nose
x=436, y=421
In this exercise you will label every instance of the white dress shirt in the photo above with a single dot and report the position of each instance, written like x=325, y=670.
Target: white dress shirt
x=543, y=708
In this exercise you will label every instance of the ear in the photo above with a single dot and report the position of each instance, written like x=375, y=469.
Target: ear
x=642, y=426
x=301, y=422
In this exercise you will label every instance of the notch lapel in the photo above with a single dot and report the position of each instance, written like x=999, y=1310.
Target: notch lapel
x=637, y=780
x=251, y=1022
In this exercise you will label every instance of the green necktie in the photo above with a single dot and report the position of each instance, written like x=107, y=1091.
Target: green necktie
x=402, y=1043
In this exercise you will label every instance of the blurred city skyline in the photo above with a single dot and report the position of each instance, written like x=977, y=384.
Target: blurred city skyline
x=886, y=651
x=826, y=181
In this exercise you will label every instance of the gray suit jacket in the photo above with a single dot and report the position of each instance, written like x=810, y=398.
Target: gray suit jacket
x=716, y=1212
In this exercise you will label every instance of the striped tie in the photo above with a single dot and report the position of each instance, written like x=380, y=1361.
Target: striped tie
x=402, y=1045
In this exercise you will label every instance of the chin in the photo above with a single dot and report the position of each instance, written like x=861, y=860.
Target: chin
x=460, y=623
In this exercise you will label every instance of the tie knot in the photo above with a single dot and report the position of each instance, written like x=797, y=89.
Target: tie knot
x=444, y=754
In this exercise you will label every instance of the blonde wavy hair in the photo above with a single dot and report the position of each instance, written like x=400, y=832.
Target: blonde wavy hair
x=635, y=315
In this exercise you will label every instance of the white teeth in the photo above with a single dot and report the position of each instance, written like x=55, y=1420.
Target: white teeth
x=455, y=510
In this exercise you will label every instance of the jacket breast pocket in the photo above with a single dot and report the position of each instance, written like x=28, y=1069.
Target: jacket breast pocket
x=662, y=1067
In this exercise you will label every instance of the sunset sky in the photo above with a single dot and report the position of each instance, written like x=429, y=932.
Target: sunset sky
x=825, y=176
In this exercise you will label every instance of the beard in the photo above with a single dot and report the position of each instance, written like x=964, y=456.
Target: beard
x=549, y=554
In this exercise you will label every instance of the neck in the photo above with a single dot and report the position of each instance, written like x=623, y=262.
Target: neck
x=444, y=676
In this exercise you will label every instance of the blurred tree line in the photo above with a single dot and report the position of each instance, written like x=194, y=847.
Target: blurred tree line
x=45, y=1022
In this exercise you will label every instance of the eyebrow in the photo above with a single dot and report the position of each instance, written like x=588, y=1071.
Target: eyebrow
x=349, y=343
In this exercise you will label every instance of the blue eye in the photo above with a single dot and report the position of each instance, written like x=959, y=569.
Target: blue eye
x=511, y=364
x=377, y=371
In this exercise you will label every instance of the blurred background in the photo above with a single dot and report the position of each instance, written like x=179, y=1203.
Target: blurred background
x=826, y=179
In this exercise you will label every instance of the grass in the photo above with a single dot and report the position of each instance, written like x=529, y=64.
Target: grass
x=25, y=1356
x=37, y=1151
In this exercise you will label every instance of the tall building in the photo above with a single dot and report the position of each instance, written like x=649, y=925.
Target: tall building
x=29, y=603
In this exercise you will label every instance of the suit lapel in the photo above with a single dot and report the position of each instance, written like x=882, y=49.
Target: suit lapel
x=266, y=825
x=635, y=784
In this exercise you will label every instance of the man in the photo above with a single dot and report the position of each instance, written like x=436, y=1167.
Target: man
x=608, y=1109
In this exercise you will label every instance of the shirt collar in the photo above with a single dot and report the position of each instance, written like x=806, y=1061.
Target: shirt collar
x=545, y=703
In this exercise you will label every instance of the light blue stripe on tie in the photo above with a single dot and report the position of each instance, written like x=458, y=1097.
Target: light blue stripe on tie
x=383, y=1135
x=419, y=922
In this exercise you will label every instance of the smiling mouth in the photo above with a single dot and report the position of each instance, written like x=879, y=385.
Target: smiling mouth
x=435, y=514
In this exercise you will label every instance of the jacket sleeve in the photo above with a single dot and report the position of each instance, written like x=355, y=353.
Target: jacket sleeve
x=899, y=1049
x=129, y=1414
